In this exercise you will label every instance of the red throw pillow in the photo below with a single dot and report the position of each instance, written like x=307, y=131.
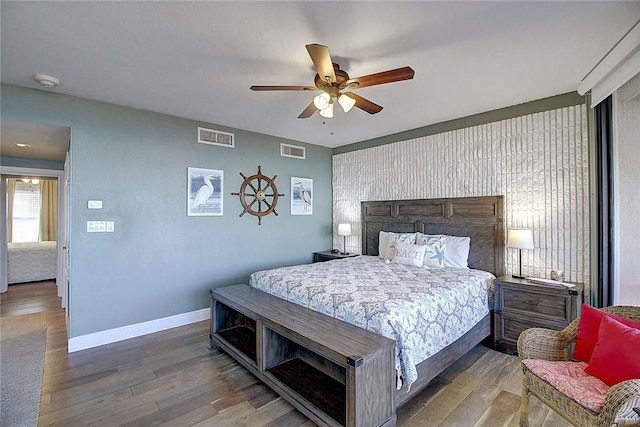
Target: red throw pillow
x=615, y=357
x=588, y=328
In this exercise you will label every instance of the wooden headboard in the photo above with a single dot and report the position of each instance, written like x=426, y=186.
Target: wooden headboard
x=480, y=218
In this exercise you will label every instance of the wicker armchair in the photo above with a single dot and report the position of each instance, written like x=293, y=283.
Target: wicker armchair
x=620, y=401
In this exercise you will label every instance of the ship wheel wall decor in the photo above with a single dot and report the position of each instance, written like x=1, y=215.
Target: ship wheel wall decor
x=258, y=190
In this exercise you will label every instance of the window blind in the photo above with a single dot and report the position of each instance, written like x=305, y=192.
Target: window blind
x=26, y=212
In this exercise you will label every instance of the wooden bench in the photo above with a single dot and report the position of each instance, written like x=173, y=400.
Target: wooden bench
x=333, y=372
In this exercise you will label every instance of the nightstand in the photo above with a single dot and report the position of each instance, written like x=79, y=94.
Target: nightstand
x=328, y=256
x=520, y=304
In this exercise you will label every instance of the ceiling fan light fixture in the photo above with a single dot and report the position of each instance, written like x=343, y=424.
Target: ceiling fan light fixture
x=346, y=102
x=327, y=112
x=330, y=80
x=322, y=101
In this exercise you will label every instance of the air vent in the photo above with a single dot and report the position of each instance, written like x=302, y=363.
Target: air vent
x=294, y=151
x=215, y=137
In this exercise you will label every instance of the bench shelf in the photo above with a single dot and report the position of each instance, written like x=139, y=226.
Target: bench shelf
x=335, y=373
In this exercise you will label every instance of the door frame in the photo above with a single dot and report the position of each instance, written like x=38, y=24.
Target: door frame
x=63, y=211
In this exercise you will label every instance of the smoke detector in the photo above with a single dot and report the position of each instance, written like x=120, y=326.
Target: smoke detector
x=46, y=81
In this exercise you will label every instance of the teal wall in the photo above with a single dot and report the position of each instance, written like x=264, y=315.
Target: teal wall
x=160, y=262
x=31, y=163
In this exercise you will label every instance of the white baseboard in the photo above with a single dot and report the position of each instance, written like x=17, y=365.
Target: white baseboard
x=109, y=336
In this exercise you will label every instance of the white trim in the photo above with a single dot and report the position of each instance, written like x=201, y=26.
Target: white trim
x=109, y=336
x=617, y=78
x=15, y=170
x=615, y=69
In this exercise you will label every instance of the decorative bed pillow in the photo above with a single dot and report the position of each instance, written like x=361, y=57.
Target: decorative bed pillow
x=588, y=329
x=383, y=244
x=457, y=252
x=388, y=250
x=436, y=247
x=615, y=357
x=409, y=254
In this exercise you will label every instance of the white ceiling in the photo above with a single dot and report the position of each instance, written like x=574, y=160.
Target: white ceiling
x=198, y=59
x=43, y=141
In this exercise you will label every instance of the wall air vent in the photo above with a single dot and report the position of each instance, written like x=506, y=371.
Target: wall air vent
x=294, y=151
x=215, y=137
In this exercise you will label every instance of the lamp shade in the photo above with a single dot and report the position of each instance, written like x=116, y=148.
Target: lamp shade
x=322, y=101
x=328, y=111
x=346, y=102
x=344, y=229
x=520, y=238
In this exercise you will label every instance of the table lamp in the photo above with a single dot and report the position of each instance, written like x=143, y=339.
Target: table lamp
x=520, y=238
x=344, y=230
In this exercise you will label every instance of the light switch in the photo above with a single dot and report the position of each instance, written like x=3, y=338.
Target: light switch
x=94, y=204
x=96, y=226
x=110, y=226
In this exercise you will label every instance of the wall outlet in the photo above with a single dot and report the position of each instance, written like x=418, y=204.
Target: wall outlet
x=94, y=204
x=110, y=226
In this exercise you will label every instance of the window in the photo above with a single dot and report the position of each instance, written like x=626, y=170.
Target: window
x=26, y=211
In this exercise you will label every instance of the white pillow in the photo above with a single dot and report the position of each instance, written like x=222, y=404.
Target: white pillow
x=409, y=254
x=392, y=239
x=436, y=247
x=383, y=244
x=457, y=252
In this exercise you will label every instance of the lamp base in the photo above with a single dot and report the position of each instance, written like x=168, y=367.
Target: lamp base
x=519, y=275
x=344, y=246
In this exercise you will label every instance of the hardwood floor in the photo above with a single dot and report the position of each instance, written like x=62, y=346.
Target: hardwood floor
x=173, y=378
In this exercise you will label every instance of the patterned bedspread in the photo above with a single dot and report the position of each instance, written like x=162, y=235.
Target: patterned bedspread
x=424, y=310
x=31, y=261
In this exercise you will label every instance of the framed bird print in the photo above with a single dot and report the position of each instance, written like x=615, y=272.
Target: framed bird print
x=301, y=196
x=204, y=192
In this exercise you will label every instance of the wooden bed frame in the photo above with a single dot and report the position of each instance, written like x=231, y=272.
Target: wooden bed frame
x=480, y=218
x=352, y=370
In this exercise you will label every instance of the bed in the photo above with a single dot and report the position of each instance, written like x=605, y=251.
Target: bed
x=31, y=261
x=424, y=347
x=422, y=310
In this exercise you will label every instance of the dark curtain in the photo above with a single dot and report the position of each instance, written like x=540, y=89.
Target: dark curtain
x=603, y=114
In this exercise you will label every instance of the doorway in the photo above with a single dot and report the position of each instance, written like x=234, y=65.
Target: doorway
x=47, y=143
x=32, y=252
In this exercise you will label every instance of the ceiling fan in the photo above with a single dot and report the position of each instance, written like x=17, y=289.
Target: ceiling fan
x=331, y=80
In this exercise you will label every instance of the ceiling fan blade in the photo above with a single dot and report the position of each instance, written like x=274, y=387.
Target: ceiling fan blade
x=399, y=74
x=308, y=112
x=364, y=103
x=263, y=88
x=322, y=60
